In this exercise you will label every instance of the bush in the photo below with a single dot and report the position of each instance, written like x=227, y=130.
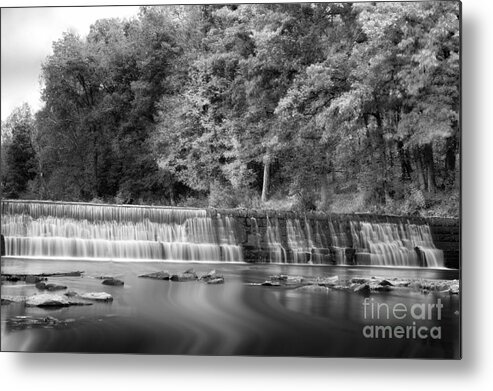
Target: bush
x=194, y=202
x=222, y=196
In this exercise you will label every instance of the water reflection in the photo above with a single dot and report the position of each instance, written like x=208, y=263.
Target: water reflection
x=166, y=317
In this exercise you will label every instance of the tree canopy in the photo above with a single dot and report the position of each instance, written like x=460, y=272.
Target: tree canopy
x=329, y=106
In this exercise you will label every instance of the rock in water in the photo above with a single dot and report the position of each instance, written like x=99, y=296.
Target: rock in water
x=363, y=289
x=209, y=276
x=218, y=280
x=279, y=277
x=97, y=296
x=359, y=280
x=380, y=288
x=327, y=281
x=71, y=294
x=113, y=282
x=32, y=279
x=270, y=283
x=49, y=287
x=454, y=289
x=188, y=275
x=47, y=300
x=27, y=322
x=12, y=299
x=162, y=275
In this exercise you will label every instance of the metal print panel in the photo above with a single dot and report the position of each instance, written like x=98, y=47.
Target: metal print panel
x=243, y=179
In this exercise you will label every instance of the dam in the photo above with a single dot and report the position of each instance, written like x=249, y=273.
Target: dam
x=45, y=229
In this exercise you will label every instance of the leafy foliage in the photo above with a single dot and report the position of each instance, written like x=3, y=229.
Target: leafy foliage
x=306, y=104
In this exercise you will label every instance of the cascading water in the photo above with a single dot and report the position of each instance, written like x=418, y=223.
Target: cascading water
x=299, y=243
x=377, y=244
x=256, y=231
x=89, y=231
x=277, y=252
x=339, y=243
x=94, y=231
x=392, y=244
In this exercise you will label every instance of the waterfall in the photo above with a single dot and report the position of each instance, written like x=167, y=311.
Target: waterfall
x=392, y=244
x=377, y=244
x=92, y=231
x=277, y=252
x=256, y=232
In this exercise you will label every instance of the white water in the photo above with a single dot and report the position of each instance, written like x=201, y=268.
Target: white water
x=89, y=231
x=391, y=244
x=116, y=232
x=376, y=244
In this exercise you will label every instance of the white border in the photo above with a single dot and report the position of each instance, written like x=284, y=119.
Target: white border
x=475, y=371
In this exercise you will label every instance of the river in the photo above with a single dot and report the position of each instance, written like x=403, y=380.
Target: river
x=234, y=318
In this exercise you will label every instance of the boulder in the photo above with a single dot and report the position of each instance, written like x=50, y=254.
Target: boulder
x=33, y=279
x=385, y=283
x=279, y=277
x=454, y=289
x=218, y=280
x=359, y=280
x=12, y=299
x=380, y=288
x=97, y=296
x=400, y=282
x=49, y=287
x=113, y=282
x=161, y=275
x=209, y=276
x=328, y=281
x=55, y=287
x=188, y=275
x=27, y=322
x=363, y=289
x=62, y=274
x=71, y=294
x=47, y=300
x=270, y=283
x=11, y=277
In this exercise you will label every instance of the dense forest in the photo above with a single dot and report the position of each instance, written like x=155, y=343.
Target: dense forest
x=336, y=107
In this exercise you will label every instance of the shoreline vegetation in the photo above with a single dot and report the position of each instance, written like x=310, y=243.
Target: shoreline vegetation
x=335, y=108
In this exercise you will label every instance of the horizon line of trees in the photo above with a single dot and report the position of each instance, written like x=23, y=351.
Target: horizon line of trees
x=236, y=104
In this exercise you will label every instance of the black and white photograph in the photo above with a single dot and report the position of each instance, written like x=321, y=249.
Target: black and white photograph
x=264, y=179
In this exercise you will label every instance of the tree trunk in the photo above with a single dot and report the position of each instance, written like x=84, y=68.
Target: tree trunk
x=420, y=169
x=406, y=169
x=324, y=191
x=265, y=185
x=430, y=167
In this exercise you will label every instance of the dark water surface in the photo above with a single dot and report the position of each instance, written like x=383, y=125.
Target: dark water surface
x=166, y=317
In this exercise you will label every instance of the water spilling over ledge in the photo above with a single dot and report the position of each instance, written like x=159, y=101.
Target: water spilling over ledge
x=90, y=231
x=96, y=231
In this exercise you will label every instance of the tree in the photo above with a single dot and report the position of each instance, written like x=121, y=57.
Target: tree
x=20, y=158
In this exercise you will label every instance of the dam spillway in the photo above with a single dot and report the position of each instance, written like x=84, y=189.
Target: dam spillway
x=94, y=231
x=41, y=229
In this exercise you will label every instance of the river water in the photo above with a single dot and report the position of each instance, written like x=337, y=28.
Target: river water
x=235, y=318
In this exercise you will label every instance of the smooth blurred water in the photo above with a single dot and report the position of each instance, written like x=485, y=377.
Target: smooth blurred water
x=166, y=317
